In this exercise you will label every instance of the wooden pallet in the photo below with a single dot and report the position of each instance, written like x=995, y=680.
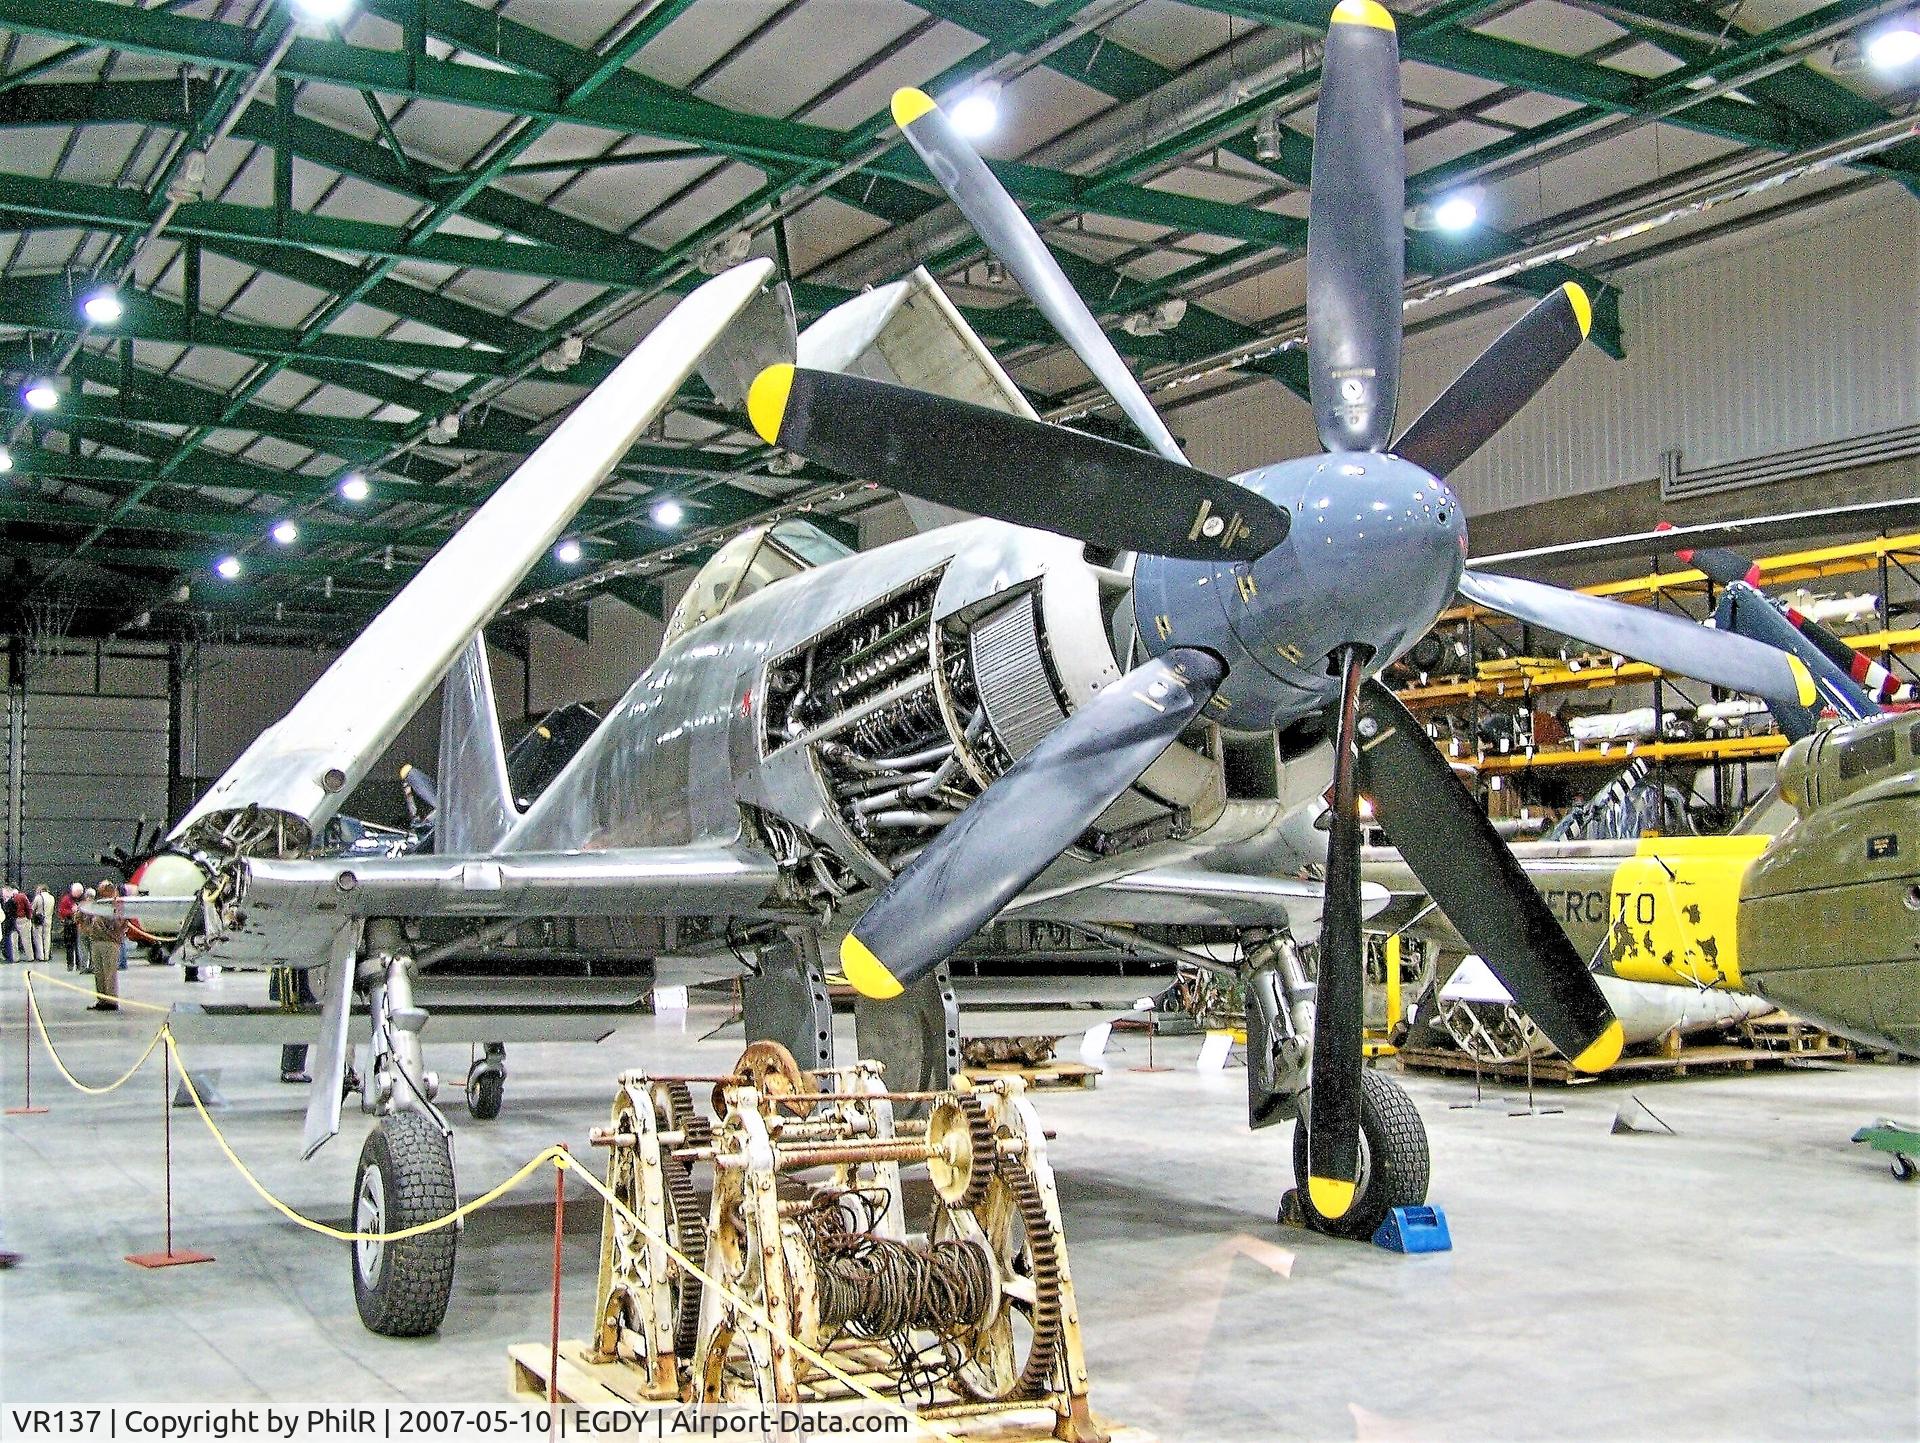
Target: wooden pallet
x=585, y=1383
x=1048, y=1076
x=1778, y=1032
x=1703, y=1057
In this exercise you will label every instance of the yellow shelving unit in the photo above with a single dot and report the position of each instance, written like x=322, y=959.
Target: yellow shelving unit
x=1517, y=680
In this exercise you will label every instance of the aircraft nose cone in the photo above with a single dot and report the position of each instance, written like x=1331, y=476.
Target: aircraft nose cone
x=1381, y=545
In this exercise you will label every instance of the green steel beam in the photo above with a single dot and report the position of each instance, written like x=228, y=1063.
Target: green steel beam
x=619, y=107
x=174, y=521
x=43, y=303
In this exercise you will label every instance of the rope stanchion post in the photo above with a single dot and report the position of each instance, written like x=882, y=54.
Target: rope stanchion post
x=26, y=1108
x=169, y=1257
x=553, y=1342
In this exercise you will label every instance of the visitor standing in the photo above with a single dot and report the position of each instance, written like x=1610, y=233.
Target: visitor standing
x=20, y=923
x=70, y=924
x=42, y=924
x=105, y=934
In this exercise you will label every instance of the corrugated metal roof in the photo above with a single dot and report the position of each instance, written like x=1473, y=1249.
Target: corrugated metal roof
x=420, y=202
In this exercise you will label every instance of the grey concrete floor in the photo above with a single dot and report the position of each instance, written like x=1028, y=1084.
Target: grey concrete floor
x=1755, y=1277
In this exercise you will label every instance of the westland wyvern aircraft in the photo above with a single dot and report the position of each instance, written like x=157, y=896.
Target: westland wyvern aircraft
x=1810, y=901
x=990, y=717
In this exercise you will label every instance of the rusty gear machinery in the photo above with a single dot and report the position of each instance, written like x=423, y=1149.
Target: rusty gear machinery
x=969, y=1313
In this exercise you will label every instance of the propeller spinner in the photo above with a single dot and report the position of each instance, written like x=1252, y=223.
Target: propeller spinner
x=1263, y=598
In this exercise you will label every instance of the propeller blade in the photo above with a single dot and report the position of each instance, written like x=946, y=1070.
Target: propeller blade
x=1878, y=684
x=1668, y=642
x=998, y=220
x=1333, y=1126
x=1022, y=471
x=1471, y=875
x=1356, y=260
x=1491, y=391
x=1019, y=825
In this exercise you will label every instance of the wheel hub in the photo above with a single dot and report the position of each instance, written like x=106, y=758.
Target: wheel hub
x=370, y=1216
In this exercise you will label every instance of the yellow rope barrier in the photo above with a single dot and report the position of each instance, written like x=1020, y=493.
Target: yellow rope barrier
x=33, y=1007
x=30, y=977
x=557, y=1156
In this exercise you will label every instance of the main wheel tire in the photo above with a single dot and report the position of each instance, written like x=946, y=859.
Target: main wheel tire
x=486, y=1089
x=405, y=1178
x=1395, y=1165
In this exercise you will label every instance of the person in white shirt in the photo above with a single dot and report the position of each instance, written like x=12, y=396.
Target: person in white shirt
x=42, y=923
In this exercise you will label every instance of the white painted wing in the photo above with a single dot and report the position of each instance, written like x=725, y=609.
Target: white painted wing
x=300, y=769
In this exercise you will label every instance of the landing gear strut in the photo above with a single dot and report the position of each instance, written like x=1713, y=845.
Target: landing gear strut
x=405, y=1175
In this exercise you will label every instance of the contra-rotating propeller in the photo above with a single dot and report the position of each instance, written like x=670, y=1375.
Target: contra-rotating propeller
x=1327, y=568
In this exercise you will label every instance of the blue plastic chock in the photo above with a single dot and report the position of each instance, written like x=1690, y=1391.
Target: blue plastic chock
x=1414, y=1230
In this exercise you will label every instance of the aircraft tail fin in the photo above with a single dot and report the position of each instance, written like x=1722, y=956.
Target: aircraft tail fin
x=475, y=808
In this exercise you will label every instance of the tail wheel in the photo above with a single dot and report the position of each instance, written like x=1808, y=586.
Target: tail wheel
x=1394, y=1162
x=404, y=1178
x=486, y=1089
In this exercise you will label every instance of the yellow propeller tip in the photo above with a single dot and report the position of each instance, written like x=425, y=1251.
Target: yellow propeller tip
x=866, y=972
x=406, y=770
x=1363, y=12
x=1604, y=1050
x=1331, y=1197
x=1802, y=681
x=767, y=401
x=1582, y=307
x=909, y=105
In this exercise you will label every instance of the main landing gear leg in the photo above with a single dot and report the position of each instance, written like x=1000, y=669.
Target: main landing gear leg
x=1394, y=1161
x=405, y=1175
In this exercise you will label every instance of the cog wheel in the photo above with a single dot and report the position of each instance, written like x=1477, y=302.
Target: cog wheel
x=961, y=1166
x=688, y=1223
x=1013, y=1353
x=770, y=1068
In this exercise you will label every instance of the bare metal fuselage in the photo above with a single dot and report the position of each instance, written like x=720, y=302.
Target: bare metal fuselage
x=691, y=745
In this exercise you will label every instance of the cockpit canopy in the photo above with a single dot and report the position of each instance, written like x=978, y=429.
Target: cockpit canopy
x=751, y=560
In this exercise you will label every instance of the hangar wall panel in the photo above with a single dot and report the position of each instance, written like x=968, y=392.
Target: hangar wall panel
x=93, y=734
x=1762, y=341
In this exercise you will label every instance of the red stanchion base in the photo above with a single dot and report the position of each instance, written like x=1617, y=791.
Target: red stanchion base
x=23, y=1111
x=179, y=1257
x=1149, y=1069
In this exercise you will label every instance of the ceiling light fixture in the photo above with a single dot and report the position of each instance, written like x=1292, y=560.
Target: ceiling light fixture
x=1456, y=213
x=567, y=553
x=1269, y=137
x=102, y=306
x=355, y=487
x=978, y=111
x=668, y=513
x=286, y=533
x=228, y=567
x=1896, y=47
x=41, y=395
x=322, y=11
x=6, y=460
